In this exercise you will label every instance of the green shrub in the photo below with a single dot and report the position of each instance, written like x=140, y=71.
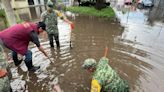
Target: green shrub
x=2, y=13
x=106, y=12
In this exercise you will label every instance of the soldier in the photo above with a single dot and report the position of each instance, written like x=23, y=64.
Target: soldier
x=4, y=72
x=105, y=79
x=49, y=17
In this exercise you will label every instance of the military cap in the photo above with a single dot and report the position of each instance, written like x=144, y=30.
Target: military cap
x=88, y=63
x=50, y=4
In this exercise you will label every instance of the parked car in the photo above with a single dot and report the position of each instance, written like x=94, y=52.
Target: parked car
x=145, y=3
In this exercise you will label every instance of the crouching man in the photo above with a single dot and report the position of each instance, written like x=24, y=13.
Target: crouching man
x=17, y=38
x=105, y=79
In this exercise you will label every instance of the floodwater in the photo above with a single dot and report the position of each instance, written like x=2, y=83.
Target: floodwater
x=136, y=50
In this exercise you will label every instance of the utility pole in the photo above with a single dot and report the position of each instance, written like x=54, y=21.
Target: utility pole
x=9, y=12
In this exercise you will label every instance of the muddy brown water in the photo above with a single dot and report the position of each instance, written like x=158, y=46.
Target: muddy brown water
x=87, y=42
x=136, y=50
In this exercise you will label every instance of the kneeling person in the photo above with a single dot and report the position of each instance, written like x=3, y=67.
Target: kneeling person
x=105, y=79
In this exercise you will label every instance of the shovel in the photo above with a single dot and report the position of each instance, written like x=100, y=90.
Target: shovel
x=72, y=27
x=50, y=59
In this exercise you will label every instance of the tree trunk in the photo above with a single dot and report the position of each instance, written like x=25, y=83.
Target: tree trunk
x=9, y=12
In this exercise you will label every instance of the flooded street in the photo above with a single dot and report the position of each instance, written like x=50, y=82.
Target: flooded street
x=136, y=49
x=141, y=46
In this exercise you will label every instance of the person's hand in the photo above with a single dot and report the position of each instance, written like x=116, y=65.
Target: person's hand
x=44, y=35
x=3, y=73
x=57, y=88
x=72, y=26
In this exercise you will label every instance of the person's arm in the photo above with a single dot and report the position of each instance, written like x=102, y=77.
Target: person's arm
x=66, y=20
x=42, y=50
x=35, y=40
x=57, y=88
x=62, y=16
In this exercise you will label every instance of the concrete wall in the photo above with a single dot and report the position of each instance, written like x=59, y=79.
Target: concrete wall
x=16, y=4
x=1, y=5
x=19, y=4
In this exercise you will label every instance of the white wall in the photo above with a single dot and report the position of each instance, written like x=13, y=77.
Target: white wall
x=1, y=6
x=19, y=4
x=42, y=3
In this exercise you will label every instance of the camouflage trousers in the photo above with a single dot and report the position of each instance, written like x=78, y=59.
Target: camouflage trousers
x=4, y=81
x=5, y=84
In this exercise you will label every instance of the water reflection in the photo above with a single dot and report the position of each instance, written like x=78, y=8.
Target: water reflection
x=156, y=14
x=67, y=62
x=141, y=42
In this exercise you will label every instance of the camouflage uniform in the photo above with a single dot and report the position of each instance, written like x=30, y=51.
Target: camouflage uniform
x=108, y=79
x=4, y=81
x=50, y=19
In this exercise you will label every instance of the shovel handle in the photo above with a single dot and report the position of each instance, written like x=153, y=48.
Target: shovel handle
x=106, y=51
x=50, y=59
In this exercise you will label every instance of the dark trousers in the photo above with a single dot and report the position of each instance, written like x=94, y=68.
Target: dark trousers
x=51, y=39
x=28, y=59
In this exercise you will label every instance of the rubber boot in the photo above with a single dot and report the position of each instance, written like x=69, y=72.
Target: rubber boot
x=15, y=59
x=57, y=44
x=31, y=67
x=34, y=68
x=51, y=44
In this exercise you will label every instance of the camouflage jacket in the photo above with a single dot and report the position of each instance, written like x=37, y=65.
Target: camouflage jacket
x=5, y=84
x=4, y=81
x=108, y=78
x=3, y=61
x=50, y=19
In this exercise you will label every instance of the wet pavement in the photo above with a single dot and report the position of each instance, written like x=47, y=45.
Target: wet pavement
x=136, y=50
x=141, y=48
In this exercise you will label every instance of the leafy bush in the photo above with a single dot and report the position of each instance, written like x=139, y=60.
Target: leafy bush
x=106, y=12
x=2, y=13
